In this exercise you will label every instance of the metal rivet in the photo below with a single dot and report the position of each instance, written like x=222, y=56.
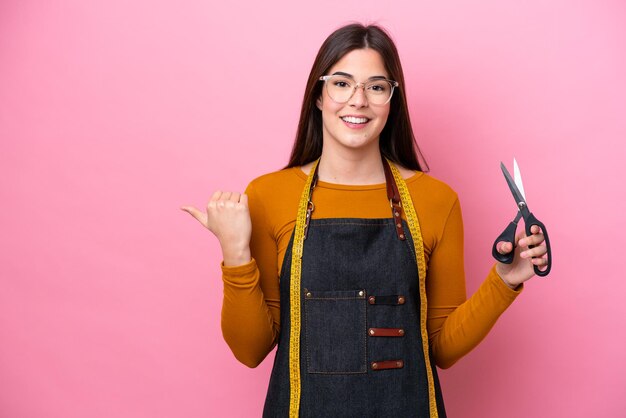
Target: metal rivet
x=372, y=300
x=399, y=363
x=308, y=294
x=374, y=365
x=372, y=332
x=400, y=332
x=361, y=293
x=399, y=225
x=396, y=213
x=401, y=300
x=402, y=236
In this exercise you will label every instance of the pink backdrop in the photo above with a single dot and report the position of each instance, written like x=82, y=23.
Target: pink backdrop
x=113, y=114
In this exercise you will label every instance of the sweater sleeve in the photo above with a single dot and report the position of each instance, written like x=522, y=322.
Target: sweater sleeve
x=456, y=325
x=251, y=306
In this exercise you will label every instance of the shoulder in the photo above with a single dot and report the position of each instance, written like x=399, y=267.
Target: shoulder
x=418, y=180
x=273, y=179
x=425, y=181
x=277, y=188
x=431, y=193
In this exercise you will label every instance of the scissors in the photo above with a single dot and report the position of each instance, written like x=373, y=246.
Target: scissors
x=517, y=188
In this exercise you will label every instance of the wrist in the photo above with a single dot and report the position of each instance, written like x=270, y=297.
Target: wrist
x=503, y=277
x=236, y=256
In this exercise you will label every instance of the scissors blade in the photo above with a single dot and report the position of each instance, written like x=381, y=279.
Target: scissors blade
x=517, y=175
x=519, y=198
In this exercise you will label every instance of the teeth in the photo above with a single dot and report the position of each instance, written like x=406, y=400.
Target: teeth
x=352, y=119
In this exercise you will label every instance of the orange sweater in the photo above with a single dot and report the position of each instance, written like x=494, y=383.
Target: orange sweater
x=251, y=309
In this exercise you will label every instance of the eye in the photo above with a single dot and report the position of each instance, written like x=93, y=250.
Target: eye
x=378, y=87
x=342, y=84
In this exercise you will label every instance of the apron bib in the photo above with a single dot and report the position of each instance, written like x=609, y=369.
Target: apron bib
x=353, y=339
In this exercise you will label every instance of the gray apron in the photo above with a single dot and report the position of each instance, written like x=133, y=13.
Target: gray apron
x=360, y=346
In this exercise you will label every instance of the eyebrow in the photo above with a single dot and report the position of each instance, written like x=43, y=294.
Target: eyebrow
x=376, y=77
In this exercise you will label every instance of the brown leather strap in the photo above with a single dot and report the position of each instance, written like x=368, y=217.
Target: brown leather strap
x=394, y=199
x=387, y=364
x=311, y=207
x=386, y=300
x=392, y=189
x=386, y=332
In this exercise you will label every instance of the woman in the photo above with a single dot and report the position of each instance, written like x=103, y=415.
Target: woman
x=334, y=257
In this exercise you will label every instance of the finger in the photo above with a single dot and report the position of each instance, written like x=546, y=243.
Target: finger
x=504, y=247
x=215, y=196
x=196, y=213
x=234, y=197
x=225, y=196
x=538, y=251
x=541, y=263
x=534, y=239
x=535, y=229
x=244, y=199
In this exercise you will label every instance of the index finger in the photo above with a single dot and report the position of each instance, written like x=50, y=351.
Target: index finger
x=216, y=195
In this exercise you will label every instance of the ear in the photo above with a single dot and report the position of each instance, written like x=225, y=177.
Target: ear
x=318, y=103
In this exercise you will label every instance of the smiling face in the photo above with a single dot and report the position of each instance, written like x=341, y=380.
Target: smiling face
x=356, y=124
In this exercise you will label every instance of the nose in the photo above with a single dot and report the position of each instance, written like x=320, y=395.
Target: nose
x=359, y=98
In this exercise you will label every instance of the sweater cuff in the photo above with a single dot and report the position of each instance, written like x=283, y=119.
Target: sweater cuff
x=502, y=288
x=243, y=274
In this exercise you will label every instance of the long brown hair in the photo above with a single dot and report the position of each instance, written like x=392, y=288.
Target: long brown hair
x=397, y=141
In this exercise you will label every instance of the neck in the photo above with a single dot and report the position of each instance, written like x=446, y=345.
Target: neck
x=351, y=168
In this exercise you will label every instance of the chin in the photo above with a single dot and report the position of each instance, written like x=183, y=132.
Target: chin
x=359, y=143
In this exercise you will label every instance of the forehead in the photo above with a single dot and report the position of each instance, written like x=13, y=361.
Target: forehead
x=361, y=64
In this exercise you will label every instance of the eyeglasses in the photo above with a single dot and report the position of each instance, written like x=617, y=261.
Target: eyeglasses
x=341, y=88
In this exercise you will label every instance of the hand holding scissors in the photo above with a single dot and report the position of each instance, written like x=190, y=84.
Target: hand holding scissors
x=517, y=189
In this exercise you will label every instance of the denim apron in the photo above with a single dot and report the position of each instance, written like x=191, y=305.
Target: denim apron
x=353, y=340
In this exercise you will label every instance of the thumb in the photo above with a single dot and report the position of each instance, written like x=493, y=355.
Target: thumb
x=198, y=214
x=504, y=247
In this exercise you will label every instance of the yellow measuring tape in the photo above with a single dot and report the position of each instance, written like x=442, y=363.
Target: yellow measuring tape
x=416, y=234
x=294, y=298
x=296, y=276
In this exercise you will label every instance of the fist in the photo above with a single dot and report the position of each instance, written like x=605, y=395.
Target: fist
x=228, y=218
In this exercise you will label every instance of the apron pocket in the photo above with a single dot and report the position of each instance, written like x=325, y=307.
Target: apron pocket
x=335, y=331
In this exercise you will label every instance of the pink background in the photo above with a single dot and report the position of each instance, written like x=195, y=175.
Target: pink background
x=113, y=114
